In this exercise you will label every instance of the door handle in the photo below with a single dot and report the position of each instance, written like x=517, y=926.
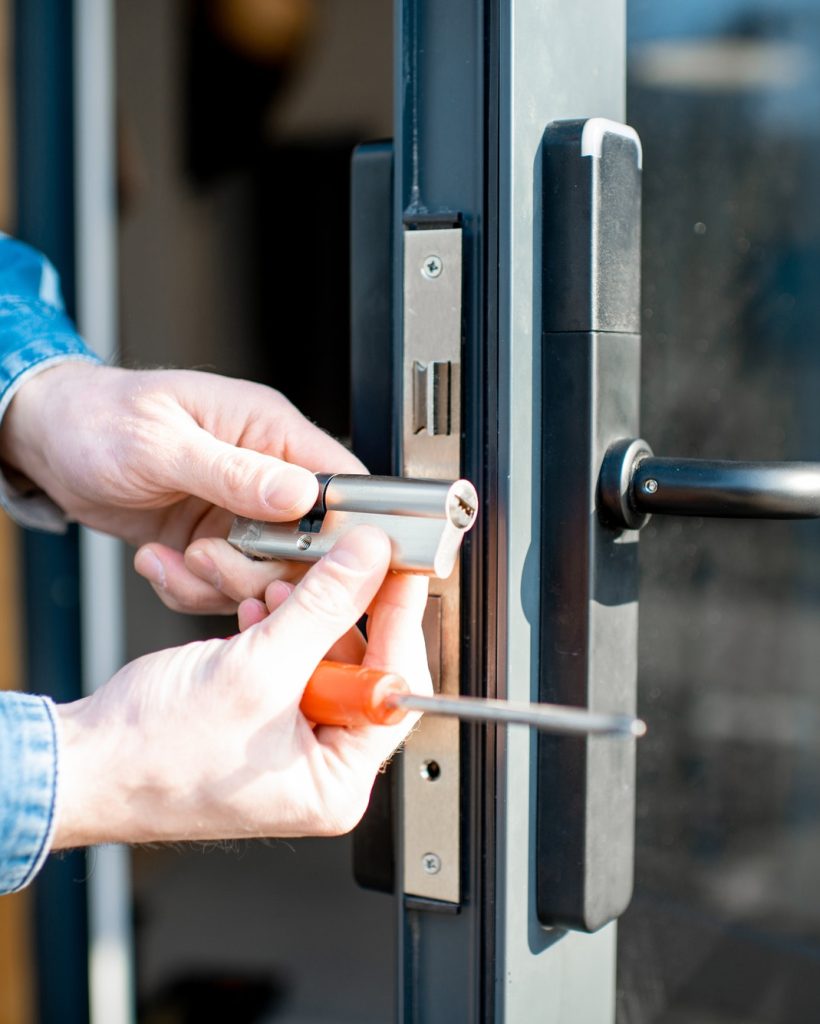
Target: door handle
x=588, y=574
x=635, y=484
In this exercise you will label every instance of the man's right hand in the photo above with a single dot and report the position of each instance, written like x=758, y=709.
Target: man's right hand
x=207, y=741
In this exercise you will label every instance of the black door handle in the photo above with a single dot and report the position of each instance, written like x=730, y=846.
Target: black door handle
x=634, y=484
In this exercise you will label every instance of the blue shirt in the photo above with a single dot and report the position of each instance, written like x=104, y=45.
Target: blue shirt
x=35, y=333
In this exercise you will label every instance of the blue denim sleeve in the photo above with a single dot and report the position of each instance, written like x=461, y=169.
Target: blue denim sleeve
x=35, y=333
x=28, y=786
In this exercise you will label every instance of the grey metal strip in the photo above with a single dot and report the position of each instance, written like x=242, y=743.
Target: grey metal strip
x=431, y=444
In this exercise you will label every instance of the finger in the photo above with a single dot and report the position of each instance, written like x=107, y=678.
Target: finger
x=308, y=445
x=230, y=572
x=350, y=648
x=269, y=422
x=327, y=603
x=176, y=586
x=253, y=610
x=394, y=630
x=396, y=644
x=216, y=522
x=246, y=482
x=250, y=612
x=277, y=593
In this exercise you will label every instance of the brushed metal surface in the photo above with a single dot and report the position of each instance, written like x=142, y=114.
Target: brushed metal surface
x=432, y=334
x=424, y=519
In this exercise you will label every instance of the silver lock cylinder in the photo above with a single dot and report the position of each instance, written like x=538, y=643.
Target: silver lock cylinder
x=425, y=520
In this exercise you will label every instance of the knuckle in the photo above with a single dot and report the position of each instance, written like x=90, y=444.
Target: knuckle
x=235, y=474
x=241, y=586
x=180, y=599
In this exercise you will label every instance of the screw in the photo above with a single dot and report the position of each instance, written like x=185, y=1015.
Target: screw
x=432, y=267
x=430, y=771
x=303, y=543
x=431, y=862
x=650, y=486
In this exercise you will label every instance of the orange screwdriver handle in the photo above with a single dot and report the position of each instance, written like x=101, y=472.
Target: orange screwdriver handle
x=339, y=694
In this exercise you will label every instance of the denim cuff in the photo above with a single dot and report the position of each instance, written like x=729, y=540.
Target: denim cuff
x=36, y=336
x=28, y=793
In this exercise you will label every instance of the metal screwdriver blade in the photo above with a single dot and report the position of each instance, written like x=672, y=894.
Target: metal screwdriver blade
x=553, y=718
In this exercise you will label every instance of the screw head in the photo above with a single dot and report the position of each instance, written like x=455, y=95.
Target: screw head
x=650, y=486
x=431, y=862
x=432, y=267
x=304, y=542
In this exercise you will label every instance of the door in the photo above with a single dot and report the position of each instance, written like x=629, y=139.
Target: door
x=724, y=921
x=476, y=86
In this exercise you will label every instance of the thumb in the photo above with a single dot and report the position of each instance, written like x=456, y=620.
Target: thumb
x=243, y=481
x=329, y=600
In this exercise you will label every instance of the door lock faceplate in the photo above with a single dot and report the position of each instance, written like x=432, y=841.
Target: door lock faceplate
x=430, y=827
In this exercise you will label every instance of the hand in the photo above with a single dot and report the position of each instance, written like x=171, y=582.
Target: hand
x=207, y=741
x=157, y=457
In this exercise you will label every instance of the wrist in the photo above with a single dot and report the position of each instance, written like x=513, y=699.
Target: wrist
x=33, y=414
x=82, y=776
x=118, y=781
x=101, y=795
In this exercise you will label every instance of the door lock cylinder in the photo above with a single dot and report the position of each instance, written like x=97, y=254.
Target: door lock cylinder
x=425, y=520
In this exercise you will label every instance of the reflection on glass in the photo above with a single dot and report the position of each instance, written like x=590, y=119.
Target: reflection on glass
x=725, y=925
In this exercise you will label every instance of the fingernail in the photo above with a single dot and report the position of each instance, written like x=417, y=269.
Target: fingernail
x=151, y=568
x=360, y=550
x=205, y=566
x=293, y=491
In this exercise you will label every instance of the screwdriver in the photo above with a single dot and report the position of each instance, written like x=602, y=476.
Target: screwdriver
x=351, y=695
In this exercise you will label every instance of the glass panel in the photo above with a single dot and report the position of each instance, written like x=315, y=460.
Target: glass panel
x=725, y=924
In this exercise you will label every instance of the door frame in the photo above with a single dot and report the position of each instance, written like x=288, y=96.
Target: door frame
x=476, y=83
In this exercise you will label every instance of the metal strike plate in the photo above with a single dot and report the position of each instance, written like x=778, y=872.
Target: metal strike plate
x=431, y=447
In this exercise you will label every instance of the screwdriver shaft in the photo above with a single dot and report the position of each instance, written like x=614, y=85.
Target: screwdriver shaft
x=551, y=718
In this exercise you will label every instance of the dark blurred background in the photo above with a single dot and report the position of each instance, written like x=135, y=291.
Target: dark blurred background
x=237, y=121
x=235, y=125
